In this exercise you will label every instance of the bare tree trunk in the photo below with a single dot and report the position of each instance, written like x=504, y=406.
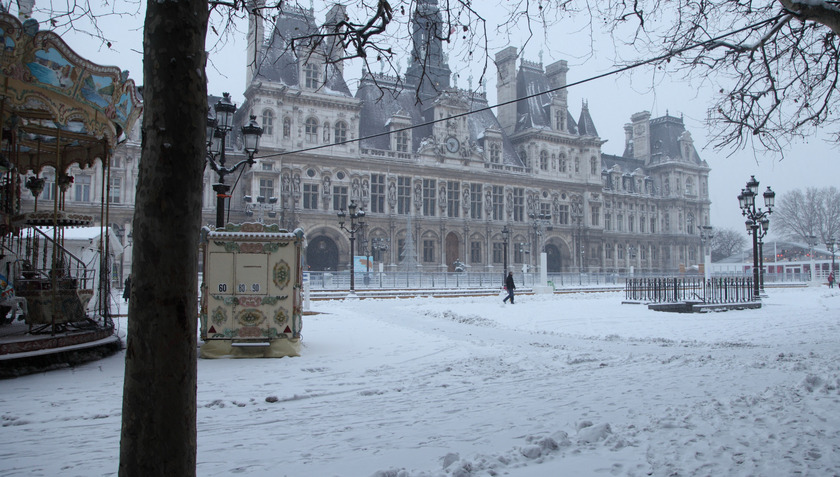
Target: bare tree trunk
x=158, y=420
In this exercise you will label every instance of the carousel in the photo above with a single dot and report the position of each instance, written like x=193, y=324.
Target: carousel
x=57, y=110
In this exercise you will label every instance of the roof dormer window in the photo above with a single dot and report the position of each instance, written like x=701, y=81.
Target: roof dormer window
x=310, y=73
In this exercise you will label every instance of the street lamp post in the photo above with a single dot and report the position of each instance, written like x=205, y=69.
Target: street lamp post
x=262, y=206
x=830, y=245
x=356, y=223
x=756, y=219
x=812, y=242
x=218, y=127
x=577, y=217
x=706, y=235
x=505, y=238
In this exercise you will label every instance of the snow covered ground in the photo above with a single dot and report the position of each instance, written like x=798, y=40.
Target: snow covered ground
x=554, y=385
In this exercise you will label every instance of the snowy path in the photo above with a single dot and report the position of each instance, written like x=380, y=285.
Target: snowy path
x=559, y=385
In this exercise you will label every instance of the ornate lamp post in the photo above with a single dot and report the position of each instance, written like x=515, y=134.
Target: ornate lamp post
x=754, y=215
x=831, y=244
x=505, y=238
x=812, y=242
x=577, y=217
x=706, y=235
x=218, y=128
x=262, y=205
x=356, y=223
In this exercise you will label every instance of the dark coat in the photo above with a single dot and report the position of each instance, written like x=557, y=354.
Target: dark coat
x=509, y=283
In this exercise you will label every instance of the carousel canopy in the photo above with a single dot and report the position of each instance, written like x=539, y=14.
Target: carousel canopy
x=57, y=107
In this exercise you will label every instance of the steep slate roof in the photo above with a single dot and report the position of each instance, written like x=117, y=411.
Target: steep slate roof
x=665, y=133
x=586, y=126
x=535, y=112
x=385, y=97
x=627, y=164
x=278, y=63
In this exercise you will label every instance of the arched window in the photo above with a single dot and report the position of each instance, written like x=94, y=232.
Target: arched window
x=312, y=130
x=495, y=153
x=340, y=132
x=689, y=186
x=287, y=127
x=326, y=133
x=544, y=160
x=268, y=122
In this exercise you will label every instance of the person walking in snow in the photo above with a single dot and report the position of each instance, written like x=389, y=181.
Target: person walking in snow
x=510, y=287
x=831, y=280
x=127, y=289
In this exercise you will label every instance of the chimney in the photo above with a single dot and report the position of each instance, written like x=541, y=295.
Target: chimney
x=506, y=88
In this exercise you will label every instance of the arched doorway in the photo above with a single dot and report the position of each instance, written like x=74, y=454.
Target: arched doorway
x=452, y=254
x=554, y=261
x=322, y=254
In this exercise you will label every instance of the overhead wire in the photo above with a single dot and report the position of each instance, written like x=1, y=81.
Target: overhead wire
x=616, y=71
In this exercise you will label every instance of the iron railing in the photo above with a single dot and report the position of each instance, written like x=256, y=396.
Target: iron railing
x=675, y=290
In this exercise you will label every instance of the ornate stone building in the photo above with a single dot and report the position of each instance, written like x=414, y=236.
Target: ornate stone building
x=449, y=168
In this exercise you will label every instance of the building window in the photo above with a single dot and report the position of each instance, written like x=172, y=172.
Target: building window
x=115, y=194
x=340, y=132
x=641, y=225
x=310, y=196
x=401, y=249
x=545, y=209
x=495, y=153
x=519, y=253
x=402, y=141
x=339, y=197
x=377, y=193
x=607, y=221
x=563, y=214
x=428, y=251
x=267, y=188
x=524, y=156
x=429, y=197
x=311, y=75
x=82, y=184
x=689, y=186
x=403, y=195
x=453, y=199
x=287, y=128
x=498, y=202
x=49, y=188
x=312, y=130
x=498, y=252
x=595, y=214
x=475, y=252
x=268, y=122
x=475, y=201
x=518, y=204
x=619, y=223
x=630, y=221
x=652, y=225
x=544, y=160
x=326, y=133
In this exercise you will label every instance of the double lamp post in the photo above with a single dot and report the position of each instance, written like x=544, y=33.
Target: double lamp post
x=218, y=127
x=357, y=217
x=757, y=224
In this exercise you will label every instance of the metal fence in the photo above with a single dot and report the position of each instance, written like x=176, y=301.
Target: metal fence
x=430, y=280
x=674, y=290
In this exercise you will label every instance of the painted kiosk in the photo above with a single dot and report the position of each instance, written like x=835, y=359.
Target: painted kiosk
x=57, y=110
x=251, y=291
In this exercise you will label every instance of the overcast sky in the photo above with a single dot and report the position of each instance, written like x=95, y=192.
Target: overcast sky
x=611, y=100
